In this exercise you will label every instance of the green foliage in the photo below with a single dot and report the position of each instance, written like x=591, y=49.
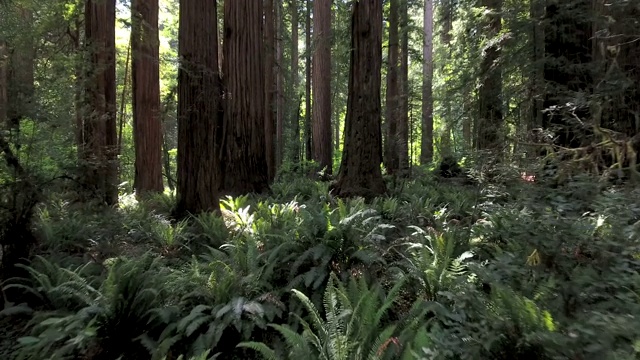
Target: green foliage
x=352, y=327
x=436, y=271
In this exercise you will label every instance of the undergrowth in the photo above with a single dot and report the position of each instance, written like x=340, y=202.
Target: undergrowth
x=508, y=270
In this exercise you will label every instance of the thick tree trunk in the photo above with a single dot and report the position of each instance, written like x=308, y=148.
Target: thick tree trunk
x=393, y=100
x=447, y=9
x=147, y=124
x=426, y=150
x=280, y=95
x=568, y=66
x=403, y=119
x=245, y=169
x=307, y=120
x=490, y=127
x=537, y=76
x=199, y=105
x=269, y=85
x=3, y=83
x=295, y=82
x=360, y=173
x=322, y=147
x=100, y=138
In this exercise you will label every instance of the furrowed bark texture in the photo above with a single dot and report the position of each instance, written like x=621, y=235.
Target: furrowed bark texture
x=360, y=173
x=147, y=124
x=199, y=104
x=322, y=149
x=99, y=128
x=245, y=168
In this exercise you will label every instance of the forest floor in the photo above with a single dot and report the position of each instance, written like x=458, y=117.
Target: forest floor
x=510, y=268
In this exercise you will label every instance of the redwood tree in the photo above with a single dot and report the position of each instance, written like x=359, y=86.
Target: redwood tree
x=269, y=85
x=360, y=173
x=99, y=141
x=490, y=122
x=321, y=82
x=307, y=108
x=403, y=118
x=426, y=146
x=147, y=125
x=393, y=90
x=199, y=104
x=245, y=168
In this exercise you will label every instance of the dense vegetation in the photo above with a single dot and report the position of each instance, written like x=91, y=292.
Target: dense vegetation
x=504, y=224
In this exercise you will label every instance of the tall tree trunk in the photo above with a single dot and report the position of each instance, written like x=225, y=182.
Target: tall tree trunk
x=308, y=110
x=244, y=134
x=269, y=85
x=280, y=95
x=199, y=108
x=403, y=119
x=393, y=100
x=445, y=38
x=322, y=147
x=426, y=150
x=20, y=73
x=78, y=93
x=568, y=64
x=100, y=138
x=360, y=173
x=147, y=124
x=490, y=128
x=295, y=82
x=537, y=77
x=4, y=102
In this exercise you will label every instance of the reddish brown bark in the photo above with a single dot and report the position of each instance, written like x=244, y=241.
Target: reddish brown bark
x=99, y=128
x=147, y=125
x=426, y=146
x=295, y=82
x=403, y=118
x=322, y=149
x=360, y=173
x=199, y=104
x=280, y=95
x=393, y=91
x=245, y=169
x=270, y=86
x=308, y=110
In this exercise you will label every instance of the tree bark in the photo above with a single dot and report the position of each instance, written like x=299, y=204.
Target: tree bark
x=568, y=64
x=100, y=138
x=308, y=110
x=393, y=108
x=490, y=126
x=360, y=173
x=199, y=105
x=322, y=146
x=270, y=85
x=403, y=119
x=147, y=124
x=295, y=82
x=426, y=151
x=3, y=82
x=244, y=70
x=280, y=95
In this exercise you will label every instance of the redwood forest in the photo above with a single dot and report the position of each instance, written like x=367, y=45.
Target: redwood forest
x=319, y=179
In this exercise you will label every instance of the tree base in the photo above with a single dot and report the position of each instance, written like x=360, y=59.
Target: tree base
x=366, y=188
